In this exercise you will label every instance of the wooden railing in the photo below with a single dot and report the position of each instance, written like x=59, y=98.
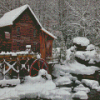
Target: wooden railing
x=13, y=68
x=52, y=60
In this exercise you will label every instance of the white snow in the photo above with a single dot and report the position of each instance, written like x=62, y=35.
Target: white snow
x=91, y=83
x=90, y=56
x=63, y=81
x=31, y=88
x=38, y=56
x=56, y=52
x=90, y=47
x=97, y=88
x=47, y=32
x=80, y=94
x=80, y=54
x=70, y=54
x=83, y=41
x=9, y=82
x=9, y=93
x=9, y=17
x=16, y=53
x=60, y=93
x=75, y=68
x=28, y=46
x=68, y=89
x=72, y=48
x=82, y=88
x=78, y=82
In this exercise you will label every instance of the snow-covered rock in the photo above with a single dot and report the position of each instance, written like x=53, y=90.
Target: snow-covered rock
x=63, y=81
x=42, y=77
x=82, y=88
x=75, y=68
x=72, y=48
x=80, y=54
x=83, y=41
x=65, y=95
x=69, y=89
x=91, y=83
x=90, y=47
x=91, y=56
x=97, y=88
x=78, y=82
x=80, y=94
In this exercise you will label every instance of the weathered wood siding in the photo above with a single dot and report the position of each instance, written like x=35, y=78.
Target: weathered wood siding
x=45, y=45
x=42, y=45
x=25, y=32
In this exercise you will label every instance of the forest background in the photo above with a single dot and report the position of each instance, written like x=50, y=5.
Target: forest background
x=65, y=19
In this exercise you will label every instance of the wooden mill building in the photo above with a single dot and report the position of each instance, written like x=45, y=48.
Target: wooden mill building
x=20, y=27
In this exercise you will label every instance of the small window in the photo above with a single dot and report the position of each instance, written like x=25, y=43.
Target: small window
x=18, y=30
x=34, y=33
x=34, y=46
x=7, y=35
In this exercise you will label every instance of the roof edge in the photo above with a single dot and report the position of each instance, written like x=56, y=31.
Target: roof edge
x=50, y=34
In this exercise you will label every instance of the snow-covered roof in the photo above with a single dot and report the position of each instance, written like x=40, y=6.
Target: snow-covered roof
x=9, y=17
x=48, y=33
x=83, y=41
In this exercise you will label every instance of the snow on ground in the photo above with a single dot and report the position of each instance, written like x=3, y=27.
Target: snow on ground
x=62, y=93
x=8, y=93
x=39, y=86
x=91, y=83
x=9, y=82
x=81, y=87
x=83, y=41
x=80, y=95
x=75, y=68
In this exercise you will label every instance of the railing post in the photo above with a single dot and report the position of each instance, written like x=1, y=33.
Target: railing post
x=4, y=70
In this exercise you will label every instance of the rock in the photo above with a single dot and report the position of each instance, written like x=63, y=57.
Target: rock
x=63, y=81
x=80, y=95
x=82, y=88
x=91, y=83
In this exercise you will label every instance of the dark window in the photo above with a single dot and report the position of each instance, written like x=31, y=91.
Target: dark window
x=34, y=33
x=34, y=46
x=18, y=30
x=18, y=45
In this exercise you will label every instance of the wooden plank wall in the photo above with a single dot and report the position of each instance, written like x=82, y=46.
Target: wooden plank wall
x=26, y=35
